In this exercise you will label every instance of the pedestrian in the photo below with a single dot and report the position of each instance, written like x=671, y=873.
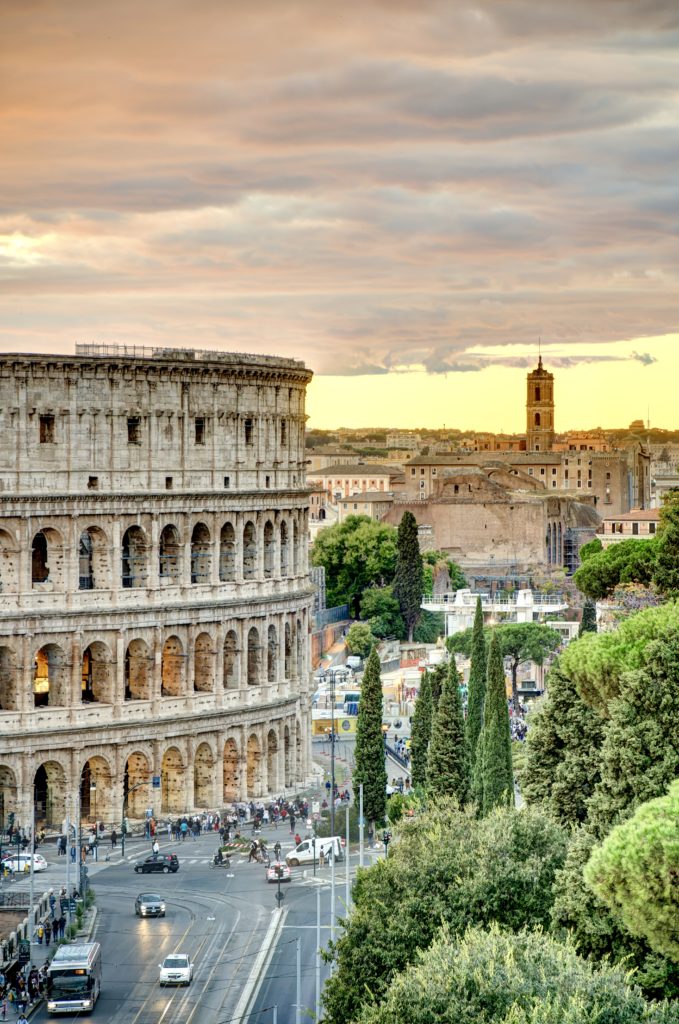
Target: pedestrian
x=3, y=1007
x=292, y=824
x=114, y=839
x=40, y=932
x=22, y=1018
x=155, y=848
x=48, y=933
x=52, y=901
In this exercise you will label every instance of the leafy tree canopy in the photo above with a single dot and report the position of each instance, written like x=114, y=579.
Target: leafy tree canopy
x=636, y=871
x=592, y=547
x=356, y=554
x=379, y=608
x=448, y=763
x=439, y=559
x=626, y=561
x=497, y=978
x=421, y=733
x=666, y=576
x=520, y=642
x=588, y=623
x=597, y=661
x=447, y=866
x=429, y=627
x=360, y=639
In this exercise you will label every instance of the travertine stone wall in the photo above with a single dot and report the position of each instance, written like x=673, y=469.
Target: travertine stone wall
x=154, y=591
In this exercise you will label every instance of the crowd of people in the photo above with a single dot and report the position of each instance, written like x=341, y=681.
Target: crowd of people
x=19, y=994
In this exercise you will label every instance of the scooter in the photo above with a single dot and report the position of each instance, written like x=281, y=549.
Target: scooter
x=225, y=862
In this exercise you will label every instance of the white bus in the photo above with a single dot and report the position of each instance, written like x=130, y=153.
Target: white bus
x=74, y=978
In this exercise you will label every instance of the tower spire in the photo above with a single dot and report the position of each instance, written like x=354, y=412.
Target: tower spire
x=539, y=352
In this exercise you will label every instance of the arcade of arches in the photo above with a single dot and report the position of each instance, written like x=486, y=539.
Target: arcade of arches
x=171, y=777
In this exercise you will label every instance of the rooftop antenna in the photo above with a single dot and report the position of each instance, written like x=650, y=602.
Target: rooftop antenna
x=539, y=352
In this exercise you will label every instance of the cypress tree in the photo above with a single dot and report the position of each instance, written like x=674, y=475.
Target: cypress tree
x=447, y=764
x=588, y=624
x=477, y=685
x=497, y=774
x=370, y=761
x=421, y=733
x=408, y=585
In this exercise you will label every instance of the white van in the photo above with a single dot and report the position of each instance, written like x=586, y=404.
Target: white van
x=307, y=852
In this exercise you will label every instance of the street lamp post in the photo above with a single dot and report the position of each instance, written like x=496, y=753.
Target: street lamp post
x=332, y=753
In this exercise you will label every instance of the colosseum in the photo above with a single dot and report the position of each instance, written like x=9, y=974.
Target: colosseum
x=154, y=589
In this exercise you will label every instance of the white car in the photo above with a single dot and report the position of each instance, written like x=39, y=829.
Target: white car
x=176, y=970
x=22, y=862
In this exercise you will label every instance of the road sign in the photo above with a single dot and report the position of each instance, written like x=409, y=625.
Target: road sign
x=24, y=951
x=156, y=781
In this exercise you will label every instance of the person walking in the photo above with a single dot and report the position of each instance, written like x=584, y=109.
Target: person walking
x=114, y=839
x=48, y=933
x=155, y=848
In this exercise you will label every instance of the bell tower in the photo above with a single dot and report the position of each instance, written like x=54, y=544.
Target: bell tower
x=539, y=409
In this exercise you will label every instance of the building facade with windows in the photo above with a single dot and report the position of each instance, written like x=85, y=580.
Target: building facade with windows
x=155, y=600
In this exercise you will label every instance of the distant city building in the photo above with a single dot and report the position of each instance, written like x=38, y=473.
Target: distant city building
x=375, y=504
x=459, y=608
x=407, y=441
x=540, y=410
x=339, y=481
x=640, y=523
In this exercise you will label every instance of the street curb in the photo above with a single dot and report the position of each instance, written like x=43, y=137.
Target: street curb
x=251, y=989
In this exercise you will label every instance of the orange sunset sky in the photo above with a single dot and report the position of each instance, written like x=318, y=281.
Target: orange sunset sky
x=405, y=195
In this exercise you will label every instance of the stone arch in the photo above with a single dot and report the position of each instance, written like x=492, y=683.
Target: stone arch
x=201, y=554
x=97, y=679
x=9, y=563
x=138, y=674
x=271, y=654
x=173, y=782
x=203, y=664
x=47, y=557
x=269, y=549
x=49, y=788
x=295, y=548
x=249, y=551
x=169, y=555
x=285, y=548
x=227, y=554
x=288, y=650
x=134, y=555
x=9, y=695
x=94, y=565
x=172, y=668
x=254, y=657
x=287, y=756
x=253, y=766
x=136, y=784
x=8, y=796
x=231, y=661
x=50, y=677
x=230, y=771
x=272, y=761
x=203, y=776
x=96, y=790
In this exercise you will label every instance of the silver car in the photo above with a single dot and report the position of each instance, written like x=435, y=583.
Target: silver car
x=149, y=904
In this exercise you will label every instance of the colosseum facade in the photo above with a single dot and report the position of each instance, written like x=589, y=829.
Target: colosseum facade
x=154, y=589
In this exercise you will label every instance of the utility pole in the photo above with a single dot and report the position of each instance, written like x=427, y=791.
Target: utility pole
x=31, y=912
x=346, y=864
x=318, y=953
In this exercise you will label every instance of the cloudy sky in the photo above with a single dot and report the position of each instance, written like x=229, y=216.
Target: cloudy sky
x=406, y=194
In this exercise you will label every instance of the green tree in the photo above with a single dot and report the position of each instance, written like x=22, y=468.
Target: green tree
x=477, y=684
x=369, y=753
x=563, y=751
x=526, y=641
x=356, y=554
x=592, y=547
x=497, y=978
x=379, y=608
x=437, y=675
x=420, y=733
x=429, y=627
x=636, y=871
x=408, y=577
x=666, y=574
x=359, y=639
x=588, y=624
x=439, y=561
x=447, y=764
x=626, y=561
x=496, y=769
x=448, y=866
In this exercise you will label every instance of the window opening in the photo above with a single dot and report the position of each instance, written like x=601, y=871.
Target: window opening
x=133, y=430
x=249, y=431
x=39, y=567
x=47, y=430
x=200, y=429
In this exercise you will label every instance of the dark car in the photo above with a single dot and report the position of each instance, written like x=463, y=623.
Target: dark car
x=158, y=862
x=149, y=904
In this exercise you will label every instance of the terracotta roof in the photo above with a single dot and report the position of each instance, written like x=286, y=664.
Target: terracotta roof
x=360, y=469
x=637, y=515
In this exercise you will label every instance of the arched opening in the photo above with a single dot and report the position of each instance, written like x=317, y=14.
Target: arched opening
x=172, y=782
x=249, y=551
x=272, y=761
x=227, y=554
x=288, y=650
x=96, y=791
x=47, y=558
x=254, y=657
x=93, y=560
x=269, y=549
x=285, y=553
x=271, y=649
x=49, y=787
x=537, y=419
x=169, y=555
x=254, y=766
x=288, y=756
x=97, y=674
x=295, y=548
x=136, y=785
x=537, y=392
x=559, y=546
x=230, y=771
x=201, y=562
x=138, y=664
x=50, y=677
x=9, y=564
x=39, y=566
x=203, y=664
x=9, y=697
x=134, y=554
x=231, y=661
x=203, y=775
x=8, y=796
x=172, y=668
